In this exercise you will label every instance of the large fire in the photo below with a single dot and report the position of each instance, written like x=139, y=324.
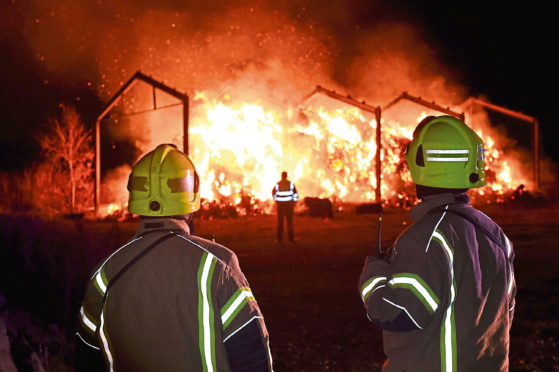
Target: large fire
x=328, y=148
x=246, y=68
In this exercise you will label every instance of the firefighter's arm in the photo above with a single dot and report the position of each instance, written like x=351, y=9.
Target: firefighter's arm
x=245, y=349
x=243, y=328
x=402, y=294
x=88, y=355
x=511, y=282
x=512, y=297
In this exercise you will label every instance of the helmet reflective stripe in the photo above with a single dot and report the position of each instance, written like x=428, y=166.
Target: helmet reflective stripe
x=447, y=152
x=447, y=159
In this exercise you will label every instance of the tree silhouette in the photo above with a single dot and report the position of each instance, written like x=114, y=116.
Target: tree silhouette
x=68, y=151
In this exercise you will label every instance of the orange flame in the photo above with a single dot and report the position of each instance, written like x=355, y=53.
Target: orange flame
x=328, y=148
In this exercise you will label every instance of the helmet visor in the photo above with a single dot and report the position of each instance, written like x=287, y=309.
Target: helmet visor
x=189, y=183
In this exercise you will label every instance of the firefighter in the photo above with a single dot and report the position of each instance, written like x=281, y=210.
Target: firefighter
x=285, y=195
x=444, y=297
x=167, y=300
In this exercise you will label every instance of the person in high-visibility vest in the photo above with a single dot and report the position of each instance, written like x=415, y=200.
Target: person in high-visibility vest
x=285, y=195
x=168, y=300
x=445, y=295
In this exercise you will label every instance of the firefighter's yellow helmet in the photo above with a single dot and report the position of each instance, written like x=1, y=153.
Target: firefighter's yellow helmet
x=163, y=182
x=446, y=153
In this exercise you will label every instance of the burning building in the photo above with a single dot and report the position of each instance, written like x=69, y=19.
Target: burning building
x=248, y=69
x=333, y=146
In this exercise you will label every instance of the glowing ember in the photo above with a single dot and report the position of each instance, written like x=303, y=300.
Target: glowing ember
x=112, y=208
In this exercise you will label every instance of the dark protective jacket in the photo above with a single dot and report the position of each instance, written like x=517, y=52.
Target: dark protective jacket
x=445, y=297
x=179, y=304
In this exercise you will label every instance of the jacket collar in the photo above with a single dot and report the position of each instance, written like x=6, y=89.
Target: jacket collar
x=434, y=201
x=162, y=224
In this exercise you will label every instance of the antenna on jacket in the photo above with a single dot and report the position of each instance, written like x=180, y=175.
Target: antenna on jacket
x=379, y=228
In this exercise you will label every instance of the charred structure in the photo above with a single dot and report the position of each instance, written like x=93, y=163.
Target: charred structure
x=337, y=147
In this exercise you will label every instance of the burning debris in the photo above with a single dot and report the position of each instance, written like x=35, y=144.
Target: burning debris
x=329, y=145
x=246, y=70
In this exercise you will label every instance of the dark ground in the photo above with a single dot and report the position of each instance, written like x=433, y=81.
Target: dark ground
x=308, y=291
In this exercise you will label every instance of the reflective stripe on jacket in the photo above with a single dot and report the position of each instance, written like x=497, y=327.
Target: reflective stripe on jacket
x=285, y=191
x=174, y=309
x=445, y=297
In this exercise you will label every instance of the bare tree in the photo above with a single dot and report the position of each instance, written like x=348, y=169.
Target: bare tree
x=68, y=148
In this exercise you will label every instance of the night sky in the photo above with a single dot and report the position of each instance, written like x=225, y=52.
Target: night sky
x=502, y=53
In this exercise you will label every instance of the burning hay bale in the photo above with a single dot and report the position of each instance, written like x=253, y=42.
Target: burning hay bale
x=331, y=147
x=525, y=197
x=213, y=210
x=318, y=207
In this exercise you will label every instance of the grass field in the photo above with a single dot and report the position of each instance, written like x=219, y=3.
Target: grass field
x=308, y=291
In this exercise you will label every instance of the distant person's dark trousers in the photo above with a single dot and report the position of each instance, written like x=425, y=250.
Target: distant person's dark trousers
x=285, y=211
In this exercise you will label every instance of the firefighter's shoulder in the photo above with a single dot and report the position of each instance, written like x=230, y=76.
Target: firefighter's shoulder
x=417, y=235
x=223, y=254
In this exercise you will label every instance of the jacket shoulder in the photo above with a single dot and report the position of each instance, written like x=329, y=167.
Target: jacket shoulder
x=484, y=221
x=475, y=219
x=224, y=254
x=418, y=235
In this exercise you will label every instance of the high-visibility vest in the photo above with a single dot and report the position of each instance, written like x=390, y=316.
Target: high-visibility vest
x=287, y=195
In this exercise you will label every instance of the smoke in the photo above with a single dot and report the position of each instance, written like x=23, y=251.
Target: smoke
x=518, y=158
x=197, y=46
x=393, y=57
x=234, y=52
